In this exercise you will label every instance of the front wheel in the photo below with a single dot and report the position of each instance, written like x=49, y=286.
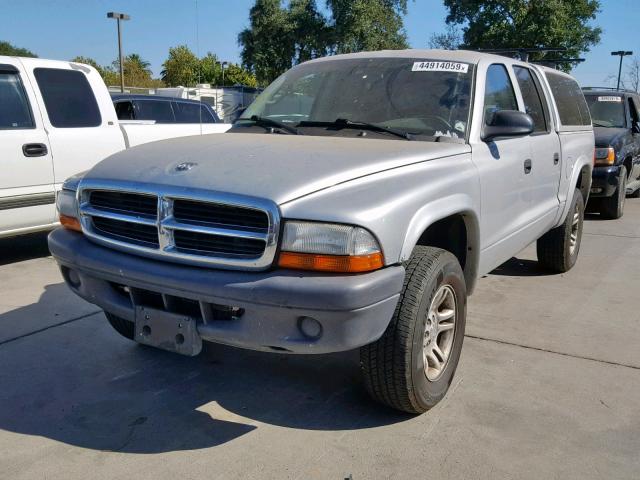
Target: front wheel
x=558, y=248
x=411, y=366
x=613, y=207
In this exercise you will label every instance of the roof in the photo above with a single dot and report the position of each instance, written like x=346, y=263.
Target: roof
x=136, y=96
x=467, y=56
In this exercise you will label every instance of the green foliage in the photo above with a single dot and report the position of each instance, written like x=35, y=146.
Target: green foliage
x=184, y=68
x=11, y=50
x=360, y=25
x=279, y=37
x=136, y=71
x=527, y=24
x=449, y=40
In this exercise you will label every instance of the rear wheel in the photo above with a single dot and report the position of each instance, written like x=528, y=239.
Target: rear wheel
x=613, y=207
x=558, y=248
x=122, y=326
x=411, y=366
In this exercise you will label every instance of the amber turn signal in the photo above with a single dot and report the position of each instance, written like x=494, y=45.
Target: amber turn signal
x=70, y=222
x=600, y=159
x=331, y=263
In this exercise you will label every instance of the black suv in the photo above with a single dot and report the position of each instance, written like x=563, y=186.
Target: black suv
x=162, y=109
x=616, y=124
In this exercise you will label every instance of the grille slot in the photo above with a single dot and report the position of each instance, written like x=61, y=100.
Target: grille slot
x=206, y=244
x=124, y=203
x=139, y=234
x=218, y=215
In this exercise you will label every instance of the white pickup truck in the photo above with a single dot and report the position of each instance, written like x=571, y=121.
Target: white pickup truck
x=57, y=119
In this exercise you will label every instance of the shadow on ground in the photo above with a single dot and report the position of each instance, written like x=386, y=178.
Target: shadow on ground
x=23, y=247
x=82, y=384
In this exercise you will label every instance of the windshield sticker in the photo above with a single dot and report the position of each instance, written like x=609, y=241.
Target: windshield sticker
x=610, y=99
x=440, y=67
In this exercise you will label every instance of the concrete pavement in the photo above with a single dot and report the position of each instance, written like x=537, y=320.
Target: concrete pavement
x=548, y=387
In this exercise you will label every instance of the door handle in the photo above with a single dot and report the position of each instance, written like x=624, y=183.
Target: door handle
x=556, y=158
x=34, y=149
x=527, y=166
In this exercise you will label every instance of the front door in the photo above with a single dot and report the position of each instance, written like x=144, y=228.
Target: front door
x=27, y=197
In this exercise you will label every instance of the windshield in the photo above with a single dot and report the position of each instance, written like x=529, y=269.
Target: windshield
x=606, y=110
x=416, y=96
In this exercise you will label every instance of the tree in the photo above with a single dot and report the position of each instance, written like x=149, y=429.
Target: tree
x=527, y=24
x=108, y=75
x=360, y=25
x=181, y=68
x=449, y=40
x=278, y=38
x=137, y=72
x=11, y=50
x=266, y=45
x=631, y=78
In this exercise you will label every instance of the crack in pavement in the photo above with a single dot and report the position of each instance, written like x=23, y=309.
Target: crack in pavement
x=539, y=349
x=49, y=327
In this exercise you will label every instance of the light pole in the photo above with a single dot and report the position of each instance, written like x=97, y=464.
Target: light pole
x=222, y=65
x=118, y=17
x=622, y=54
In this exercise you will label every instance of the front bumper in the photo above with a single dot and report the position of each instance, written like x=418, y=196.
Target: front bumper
x=604, y=181
x=353, y=310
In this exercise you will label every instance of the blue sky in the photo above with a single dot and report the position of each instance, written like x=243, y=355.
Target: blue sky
x=62, y=29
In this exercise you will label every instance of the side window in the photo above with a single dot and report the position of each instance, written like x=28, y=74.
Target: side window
x=207, y=115
x=157, y=110
x=124, y=111
x=498, y=94
x=68, y=98
x=15, y=112
x=191, y=113
x=572, y=107
x=633, y=110
x=533, y=98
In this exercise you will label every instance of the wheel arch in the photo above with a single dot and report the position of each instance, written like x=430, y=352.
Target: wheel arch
x=455, y=229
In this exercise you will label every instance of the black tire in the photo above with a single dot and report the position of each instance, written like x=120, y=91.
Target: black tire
x=554, y=248
x=613, y=207
x=122, y=326
x=393, y=366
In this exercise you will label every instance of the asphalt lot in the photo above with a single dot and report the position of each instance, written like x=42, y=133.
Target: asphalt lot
x=548, y=387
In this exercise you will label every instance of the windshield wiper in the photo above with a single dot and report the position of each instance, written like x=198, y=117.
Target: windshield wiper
x=268, y=122
x=346, y=123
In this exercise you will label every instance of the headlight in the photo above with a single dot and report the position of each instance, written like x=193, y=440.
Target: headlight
x=605, y=156
x=67, y=206
x=329, y=247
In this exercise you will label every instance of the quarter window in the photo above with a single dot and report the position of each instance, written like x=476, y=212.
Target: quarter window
x=572, y=107
x=68, y=98
x=124, y=111
x=15, y=112
x=532, y=96
x=498, y=94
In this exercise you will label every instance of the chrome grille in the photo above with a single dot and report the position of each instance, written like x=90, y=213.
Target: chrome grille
x=172, y=223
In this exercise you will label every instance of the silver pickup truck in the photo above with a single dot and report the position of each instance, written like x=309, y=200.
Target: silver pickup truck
x=353, y=205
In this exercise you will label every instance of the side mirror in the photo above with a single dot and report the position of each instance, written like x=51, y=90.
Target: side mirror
x=508, y=123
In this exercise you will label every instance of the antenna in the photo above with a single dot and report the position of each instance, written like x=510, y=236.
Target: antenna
x=199, y=64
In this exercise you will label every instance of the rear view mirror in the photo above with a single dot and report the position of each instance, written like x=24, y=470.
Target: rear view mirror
x=508, y=123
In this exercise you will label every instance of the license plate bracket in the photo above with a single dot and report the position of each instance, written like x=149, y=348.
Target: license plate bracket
x=168, y=331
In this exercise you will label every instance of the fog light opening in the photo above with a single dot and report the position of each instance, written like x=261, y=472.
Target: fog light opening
x=310, y=327
x=73, y=278
x=146, y=331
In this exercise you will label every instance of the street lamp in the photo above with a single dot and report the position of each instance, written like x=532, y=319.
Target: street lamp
x=622, y=54
x=222, y=65
x=118, y=17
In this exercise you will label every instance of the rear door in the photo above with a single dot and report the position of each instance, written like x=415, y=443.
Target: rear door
x=546, y=167
x=78, y=115
x=27, y=198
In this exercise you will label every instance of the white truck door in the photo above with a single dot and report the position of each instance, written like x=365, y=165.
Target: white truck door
x=27, y=196
x=80, y=118
x=505, y=197
x=546, y=165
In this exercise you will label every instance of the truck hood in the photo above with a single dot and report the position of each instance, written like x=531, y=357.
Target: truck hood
x=272, y=166
x=606, y=136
